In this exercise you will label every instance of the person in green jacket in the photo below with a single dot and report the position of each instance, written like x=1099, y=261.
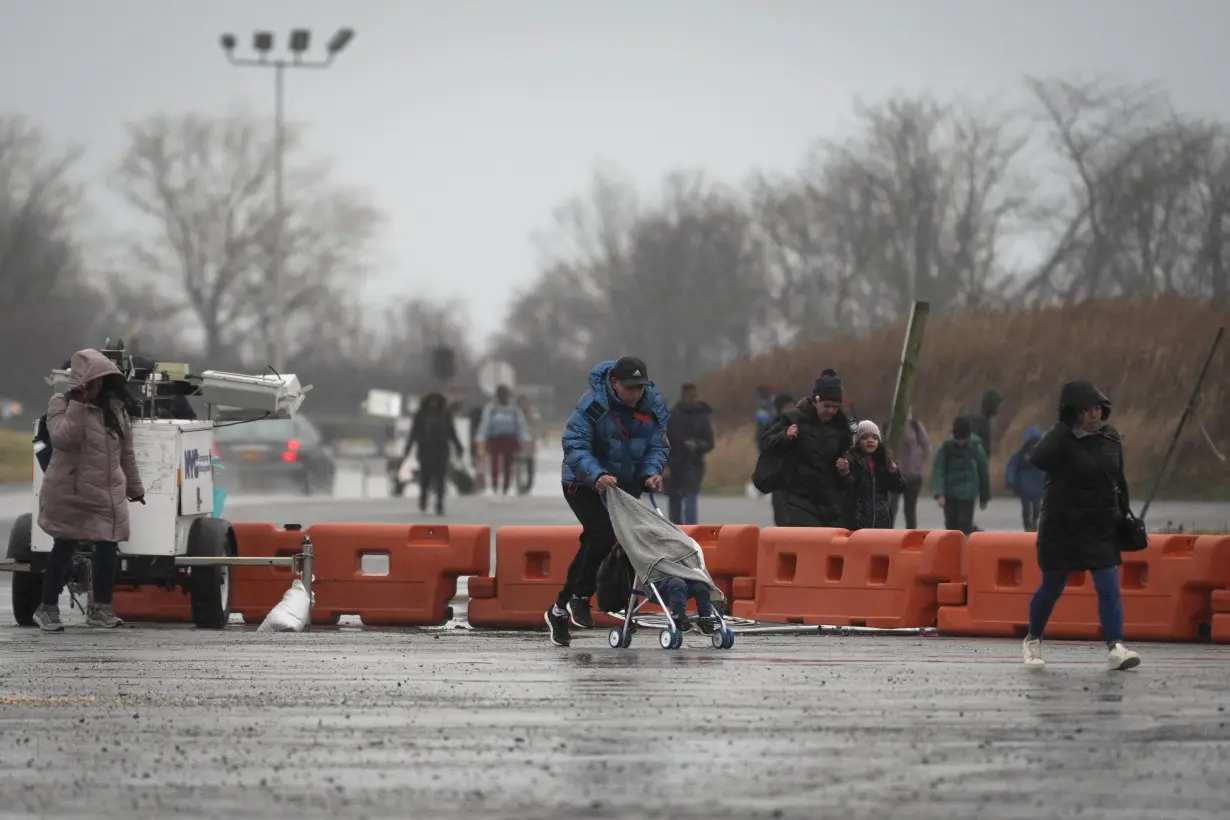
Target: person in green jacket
x=959, y=477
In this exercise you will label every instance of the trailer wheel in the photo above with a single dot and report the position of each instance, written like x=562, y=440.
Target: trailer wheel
x=209, y=588
x=27, y=586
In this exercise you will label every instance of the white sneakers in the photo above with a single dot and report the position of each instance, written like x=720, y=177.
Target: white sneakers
x=1032, y=650
x=1119, y=658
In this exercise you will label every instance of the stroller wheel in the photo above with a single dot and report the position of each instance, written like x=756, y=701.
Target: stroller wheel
x=667, y=639
x=719, y=640
x=627, y=639
x=615, y=638
x=728, y=638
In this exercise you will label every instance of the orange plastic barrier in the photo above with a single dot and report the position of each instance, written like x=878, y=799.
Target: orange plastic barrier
x=424, y=562
x=256, y=590
x=1167, y=590
x=531, y=565
x=879, y=578
x=150, y=603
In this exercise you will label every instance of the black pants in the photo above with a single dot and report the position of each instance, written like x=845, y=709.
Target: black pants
x=102, y=571
x=432, y=477
x=779, y=509
x=597, y=540
x=959, y=515
x=913, y=488
x=1031, y=510
x=528, y=484
x=676, y=591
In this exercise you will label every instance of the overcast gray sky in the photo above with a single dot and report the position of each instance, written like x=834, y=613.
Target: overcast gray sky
x=469, y=121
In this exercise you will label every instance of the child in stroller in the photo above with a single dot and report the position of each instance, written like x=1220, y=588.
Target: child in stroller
x=667, y=565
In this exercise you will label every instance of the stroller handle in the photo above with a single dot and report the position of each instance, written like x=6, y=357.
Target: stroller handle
x=653, y=501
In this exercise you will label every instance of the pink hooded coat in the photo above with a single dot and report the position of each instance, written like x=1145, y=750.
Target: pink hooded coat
x=92, y=473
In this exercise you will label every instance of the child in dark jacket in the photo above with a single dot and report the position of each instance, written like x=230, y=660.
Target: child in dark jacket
x=869, y=477
x=1026, y=480
x=959, y=477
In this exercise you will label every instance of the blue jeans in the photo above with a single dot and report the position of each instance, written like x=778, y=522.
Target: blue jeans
x=676, y=591
x=1110, y=604
x=683, y=508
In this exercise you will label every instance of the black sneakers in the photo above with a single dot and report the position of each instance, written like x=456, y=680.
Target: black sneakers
x=578, y=611
x=706, y=625
x=557, y=626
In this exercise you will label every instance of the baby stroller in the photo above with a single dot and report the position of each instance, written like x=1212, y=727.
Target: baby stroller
x=649, y=539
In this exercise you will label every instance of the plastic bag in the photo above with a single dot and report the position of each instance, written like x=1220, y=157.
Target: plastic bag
x=291, y=614
x=614, y=581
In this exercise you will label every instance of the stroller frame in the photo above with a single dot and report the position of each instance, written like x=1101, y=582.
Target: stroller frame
x=670, y=637
x=620, y=637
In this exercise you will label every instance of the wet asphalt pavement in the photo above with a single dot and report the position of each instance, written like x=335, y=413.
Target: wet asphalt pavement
x=173, y=722
x=161, y=722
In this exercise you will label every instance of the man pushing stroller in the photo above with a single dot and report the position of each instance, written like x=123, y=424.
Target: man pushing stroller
x=616, y=437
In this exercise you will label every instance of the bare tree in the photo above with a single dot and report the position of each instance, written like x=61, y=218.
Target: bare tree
x=47, y=306
x=205, y=187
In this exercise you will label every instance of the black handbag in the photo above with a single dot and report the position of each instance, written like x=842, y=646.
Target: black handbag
x=1131, y=533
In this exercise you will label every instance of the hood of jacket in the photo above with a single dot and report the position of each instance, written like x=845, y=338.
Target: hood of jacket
x=1032, y=436
x=991, y=400
x=1076, y=395
x=697, y=408
x=88, y=365
x=600, y=383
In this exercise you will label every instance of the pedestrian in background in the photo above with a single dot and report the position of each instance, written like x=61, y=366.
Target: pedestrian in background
x=616, y=437
x=806, y=443
x=690, y=432
x=501, y=433
x=1022, y=477
x=529, y=451
x=1084, y=502
x=915, y=454
x=433, y=433
x=88, y=485
x=959, y=477
x=869, y=476
x=781, y=404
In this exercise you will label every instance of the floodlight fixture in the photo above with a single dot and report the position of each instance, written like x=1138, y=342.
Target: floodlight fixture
x=339, y=40
x=299, y=39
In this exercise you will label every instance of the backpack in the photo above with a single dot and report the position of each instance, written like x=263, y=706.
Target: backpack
x=614, y=581
x=42, y=443
x=772, y=471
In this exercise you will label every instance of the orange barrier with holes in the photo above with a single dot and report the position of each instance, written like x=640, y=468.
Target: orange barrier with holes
x=257, y=590
x=1220, y=627
x=1167, y=590
x=150, y=603
x=531, y=565
x=886, y=579
x=424, y=563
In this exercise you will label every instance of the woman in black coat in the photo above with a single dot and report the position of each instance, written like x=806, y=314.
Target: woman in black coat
x=433, y=432
x=1084, y=496
x=690, y=433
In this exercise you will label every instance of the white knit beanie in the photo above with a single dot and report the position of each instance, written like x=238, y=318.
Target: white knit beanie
x=867, y=428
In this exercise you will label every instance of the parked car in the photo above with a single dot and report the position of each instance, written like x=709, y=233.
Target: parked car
x=260, y=454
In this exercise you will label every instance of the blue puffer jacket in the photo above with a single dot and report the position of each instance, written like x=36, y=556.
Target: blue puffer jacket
x=605, y=436
x=1021, y=476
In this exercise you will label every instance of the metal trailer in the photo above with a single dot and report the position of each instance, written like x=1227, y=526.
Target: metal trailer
x=175, y=540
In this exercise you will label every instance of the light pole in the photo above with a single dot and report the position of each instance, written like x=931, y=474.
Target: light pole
x=262, y=41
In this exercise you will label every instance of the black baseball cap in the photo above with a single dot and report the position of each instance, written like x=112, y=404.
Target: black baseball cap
x=630, y=372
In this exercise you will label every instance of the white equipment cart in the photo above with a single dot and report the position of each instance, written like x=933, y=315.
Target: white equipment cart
x=175, y=541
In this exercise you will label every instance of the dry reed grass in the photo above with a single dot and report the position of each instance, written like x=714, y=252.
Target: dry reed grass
x=1144, y=354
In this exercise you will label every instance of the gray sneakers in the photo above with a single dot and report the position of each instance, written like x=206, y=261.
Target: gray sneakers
x=48, y=618
x=102, y=615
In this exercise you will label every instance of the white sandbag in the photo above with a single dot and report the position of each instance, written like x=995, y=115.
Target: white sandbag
x=291, y=614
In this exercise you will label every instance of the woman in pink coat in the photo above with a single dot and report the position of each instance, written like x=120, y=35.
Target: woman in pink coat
x=88, y=484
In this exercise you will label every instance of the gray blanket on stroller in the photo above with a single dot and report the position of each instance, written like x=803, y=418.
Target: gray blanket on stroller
x=656, y=547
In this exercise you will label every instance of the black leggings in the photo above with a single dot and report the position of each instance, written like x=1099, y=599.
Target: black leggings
x=60, y=563
x=597, y=541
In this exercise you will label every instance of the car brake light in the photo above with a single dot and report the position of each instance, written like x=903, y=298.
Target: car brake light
x=292, y=451
x=292, y=445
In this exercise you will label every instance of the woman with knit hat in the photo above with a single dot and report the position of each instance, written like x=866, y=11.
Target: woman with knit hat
x=869, y=476
x=810, y=439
